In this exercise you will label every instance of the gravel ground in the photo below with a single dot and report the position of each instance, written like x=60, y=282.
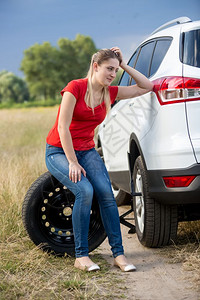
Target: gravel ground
x=155, y=278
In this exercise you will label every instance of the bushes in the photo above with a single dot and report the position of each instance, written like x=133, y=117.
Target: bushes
x=13, y=89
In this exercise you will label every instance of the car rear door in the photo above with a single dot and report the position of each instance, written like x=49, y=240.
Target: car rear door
x=191, y=75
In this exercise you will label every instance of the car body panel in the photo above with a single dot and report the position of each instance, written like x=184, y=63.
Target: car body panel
x=167, y=145
x=193, y=107
x=136, y=114
x=193, y=116
x=193, y=112
x=167, y=137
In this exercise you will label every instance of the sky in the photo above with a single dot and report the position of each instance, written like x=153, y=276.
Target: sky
x=123, y=23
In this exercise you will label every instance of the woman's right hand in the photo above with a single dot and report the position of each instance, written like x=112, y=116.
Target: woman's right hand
x=75, y=171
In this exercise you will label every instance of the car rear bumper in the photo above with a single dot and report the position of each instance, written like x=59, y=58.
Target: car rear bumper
x=177, y=195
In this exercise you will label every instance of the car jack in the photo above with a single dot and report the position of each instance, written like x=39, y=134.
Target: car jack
x=124, y=221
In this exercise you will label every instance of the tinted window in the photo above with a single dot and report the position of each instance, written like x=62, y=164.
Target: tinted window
x=144, y=59
x=191, y=53
x=159, y=53
x=125, y=76
x=125, y=79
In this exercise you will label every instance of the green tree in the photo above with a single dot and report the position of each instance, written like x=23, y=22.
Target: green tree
x=39, y=66
x=66, y=61
x=48, y=69
x=84, y=49
x=74, y=57
x=12, y=88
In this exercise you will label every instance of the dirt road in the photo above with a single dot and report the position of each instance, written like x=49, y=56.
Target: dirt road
x=155, y=278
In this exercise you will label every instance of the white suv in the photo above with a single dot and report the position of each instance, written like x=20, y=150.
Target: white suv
x=160, y=132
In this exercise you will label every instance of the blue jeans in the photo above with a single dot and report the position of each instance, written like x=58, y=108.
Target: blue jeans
x=96, y=181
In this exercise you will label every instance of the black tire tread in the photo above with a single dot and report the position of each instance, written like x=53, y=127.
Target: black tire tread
x=29, y=220
x=160, y=220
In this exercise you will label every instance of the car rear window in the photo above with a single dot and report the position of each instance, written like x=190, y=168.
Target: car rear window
x=125, y=79
x=191, y=51
x=144, y=59
x=159, y=53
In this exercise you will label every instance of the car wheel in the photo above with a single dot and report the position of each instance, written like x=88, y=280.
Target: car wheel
x=156, y=224
x=47, y=217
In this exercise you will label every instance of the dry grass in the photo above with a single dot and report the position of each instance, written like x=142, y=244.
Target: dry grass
x=25, y=271
x=187, y=251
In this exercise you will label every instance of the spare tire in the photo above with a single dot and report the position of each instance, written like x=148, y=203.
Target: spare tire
x=47, y=217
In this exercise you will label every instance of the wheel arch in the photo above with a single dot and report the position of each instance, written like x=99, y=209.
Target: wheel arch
x=134, y=151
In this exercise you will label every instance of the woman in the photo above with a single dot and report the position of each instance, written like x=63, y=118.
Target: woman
x=72, y=158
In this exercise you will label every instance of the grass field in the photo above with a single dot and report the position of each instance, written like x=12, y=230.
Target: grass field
x=25, y=271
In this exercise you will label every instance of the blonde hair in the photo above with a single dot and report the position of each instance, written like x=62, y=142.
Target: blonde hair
x=99, y=57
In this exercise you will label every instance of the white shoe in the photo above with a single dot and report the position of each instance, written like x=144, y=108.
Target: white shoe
x=93, y=267
x=124, y=267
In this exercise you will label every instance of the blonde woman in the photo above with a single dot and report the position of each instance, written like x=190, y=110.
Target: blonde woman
x=72, y=158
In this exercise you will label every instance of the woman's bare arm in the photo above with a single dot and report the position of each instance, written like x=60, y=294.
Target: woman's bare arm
x=64, y=121
x=143, y=84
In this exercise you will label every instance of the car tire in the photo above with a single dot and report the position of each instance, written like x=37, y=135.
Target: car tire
x=47, y=217
x=156, y=224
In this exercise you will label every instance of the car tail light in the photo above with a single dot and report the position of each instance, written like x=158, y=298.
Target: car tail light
x=176, y=89
x=178, y=181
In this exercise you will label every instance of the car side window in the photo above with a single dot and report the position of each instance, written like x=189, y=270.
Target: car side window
x=144, y=59
x=191, y=52
x=125, y=80
x=159, y=53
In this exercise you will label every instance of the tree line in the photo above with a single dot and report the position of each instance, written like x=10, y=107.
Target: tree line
x=47, y=70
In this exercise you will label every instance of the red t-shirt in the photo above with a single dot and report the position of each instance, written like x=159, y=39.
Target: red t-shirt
x=84, y=121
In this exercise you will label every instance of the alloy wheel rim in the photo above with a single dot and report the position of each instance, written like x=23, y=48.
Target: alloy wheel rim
x=139, y=201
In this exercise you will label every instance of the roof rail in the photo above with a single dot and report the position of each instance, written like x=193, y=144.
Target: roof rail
x=180, y=20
